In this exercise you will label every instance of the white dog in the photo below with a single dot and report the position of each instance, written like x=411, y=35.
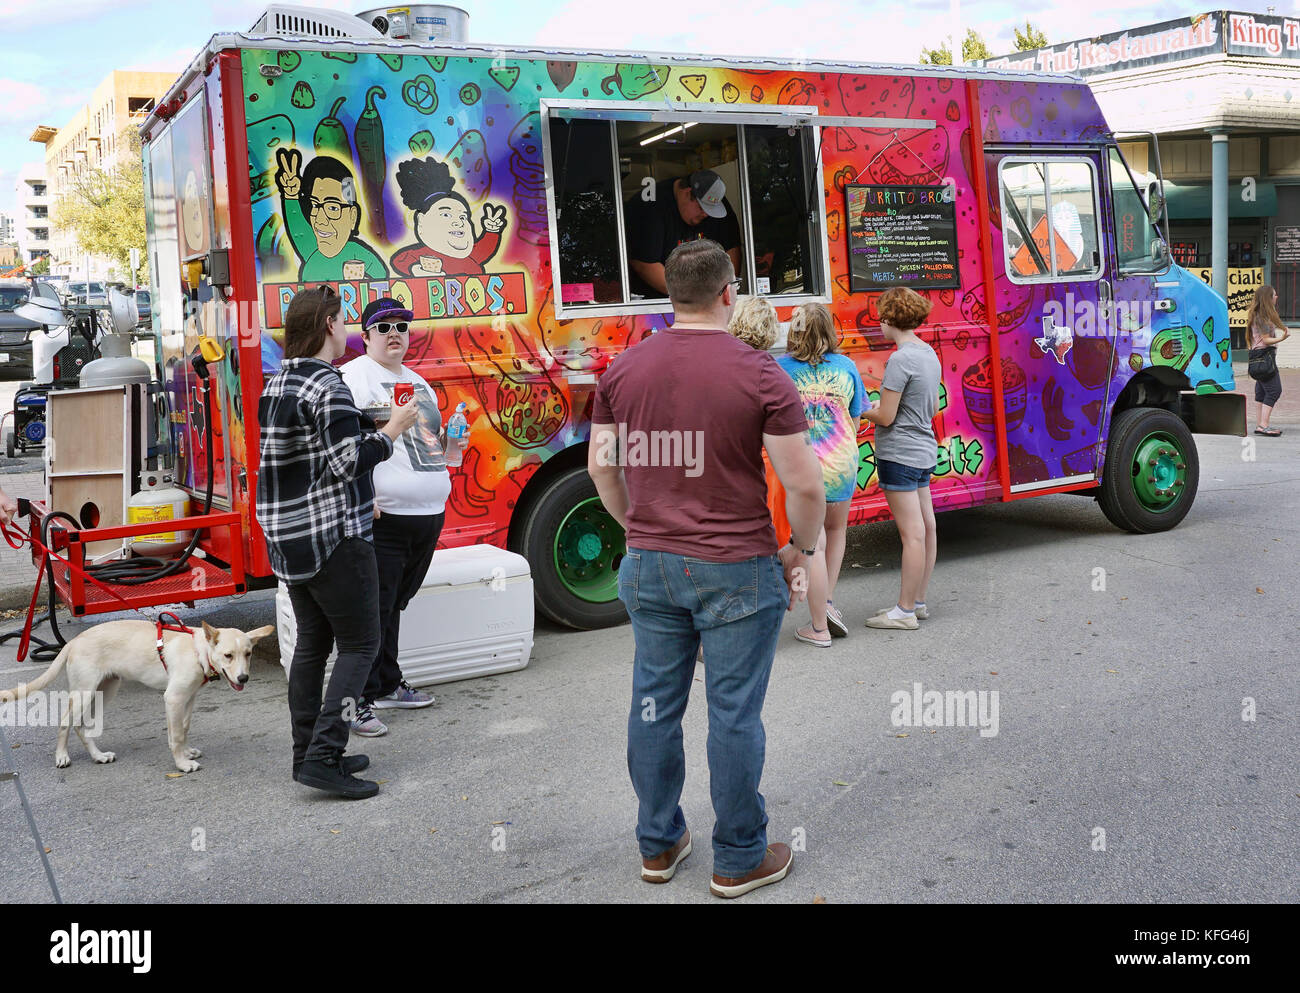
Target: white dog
x=99, y=659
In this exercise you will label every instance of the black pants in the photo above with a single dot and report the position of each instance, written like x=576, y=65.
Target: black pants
x=1269, y=391
x=340, y=603
x=403, y=550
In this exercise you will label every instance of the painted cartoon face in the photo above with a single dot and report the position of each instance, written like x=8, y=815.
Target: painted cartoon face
x=333, y=215
x=446, y=228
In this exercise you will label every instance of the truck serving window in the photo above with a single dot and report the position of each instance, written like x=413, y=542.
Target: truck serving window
x=615, y=183
x=1049, y=220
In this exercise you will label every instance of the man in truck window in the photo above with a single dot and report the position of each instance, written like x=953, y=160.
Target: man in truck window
x=322, y=217
x=680, y=210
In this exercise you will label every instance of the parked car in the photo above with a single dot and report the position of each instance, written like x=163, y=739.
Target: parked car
x=15, y=344
x=77, y=292
x=143, y=305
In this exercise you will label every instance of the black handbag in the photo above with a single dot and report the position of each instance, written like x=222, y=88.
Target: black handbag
x=1263, y=363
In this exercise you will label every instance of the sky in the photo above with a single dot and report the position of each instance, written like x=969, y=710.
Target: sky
x=50, y=64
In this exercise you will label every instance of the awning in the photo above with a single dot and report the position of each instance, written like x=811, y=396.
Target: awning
x=1191, y=201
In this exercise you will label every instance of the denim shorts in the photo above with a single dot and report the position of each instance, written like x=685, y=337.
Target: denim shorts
x=896, y=476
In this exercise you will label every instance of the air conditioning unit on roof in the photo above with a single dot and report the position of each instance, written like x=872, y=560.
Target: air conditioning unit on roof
x=291, y=21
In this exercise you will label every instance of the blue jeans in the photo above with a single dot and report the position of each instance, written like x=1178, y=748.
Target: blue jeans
x=735, y=610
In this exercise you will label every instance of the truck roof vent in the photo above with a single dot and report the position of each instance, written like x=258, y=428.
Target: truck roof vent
x=291, y=21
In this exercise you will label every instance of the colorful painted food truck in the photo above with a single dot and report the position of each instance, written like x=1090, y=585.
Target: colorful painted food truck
x=492, y=190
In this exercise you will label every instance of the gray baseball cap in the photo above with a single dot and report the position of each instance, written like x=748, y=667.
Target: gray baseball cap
x=709, y=189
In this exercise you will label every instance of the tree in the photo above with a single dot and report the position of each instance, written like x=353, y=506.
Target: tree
x=971, y=49
x=1030, y=38
x=41, y=267
x=105, y=209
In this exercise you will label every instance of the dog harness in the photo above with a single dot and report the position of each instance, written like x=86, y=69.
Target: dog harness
x=209, y=674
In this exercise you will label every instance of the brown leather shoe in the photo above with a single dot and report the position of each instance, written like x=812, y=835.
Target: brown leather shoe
x=774, y=867
x=660, y=869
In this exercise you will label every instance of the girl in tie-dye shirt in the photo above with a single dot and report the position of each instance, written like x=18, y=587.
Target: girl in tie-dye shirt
x=833, y=395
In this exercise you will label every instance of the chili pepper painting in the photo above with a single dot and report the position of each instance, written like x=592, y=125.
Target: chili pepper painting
x=331, y=137
x=371, y=161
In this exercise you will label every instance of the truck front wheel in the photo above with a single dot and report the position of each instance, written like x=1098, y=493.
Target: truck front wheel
x=574, y=548
x=1151, y=472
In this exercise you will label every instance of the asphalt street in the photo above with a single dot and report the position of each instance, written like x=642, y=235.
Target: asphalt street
x=1119, y=709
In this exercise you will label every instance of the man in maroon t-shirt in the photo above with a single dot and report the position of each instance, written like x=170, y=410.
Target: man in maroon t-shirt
x=677, y=438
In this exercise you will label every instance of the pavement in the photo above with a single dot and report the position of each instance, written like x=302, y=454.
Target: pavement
x=1145, y=750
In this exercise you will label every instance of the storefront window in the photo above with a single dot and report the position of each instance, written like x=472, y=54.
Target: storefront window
x=1050, y=220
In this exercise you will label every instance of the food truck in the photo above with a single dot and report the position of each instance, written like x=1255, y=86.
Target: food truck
x=489, y=188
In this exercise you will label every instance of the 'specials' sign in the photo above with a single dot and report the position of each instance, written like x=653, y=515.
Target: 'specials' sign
x=901, y=236
x=1214, y=33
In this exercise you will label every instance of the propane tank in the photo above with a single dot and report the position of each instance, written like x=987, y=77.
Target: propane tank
x=158, y=500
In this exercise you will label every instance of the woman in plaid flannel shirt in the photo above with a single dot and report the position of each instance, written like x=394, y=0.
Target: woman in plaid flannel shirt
x=315, y=504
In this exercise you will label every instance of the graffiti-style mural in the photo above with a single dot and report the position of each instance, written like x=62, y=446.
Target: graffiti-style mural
x=423, y=178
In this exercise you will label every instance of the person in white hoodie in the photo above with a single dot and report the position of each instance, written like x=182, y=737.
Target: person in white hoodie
x=411, y=491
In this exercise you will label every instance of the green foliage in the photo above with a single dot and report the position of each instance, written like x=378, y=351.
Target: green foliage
x=1030, y=38
x=972, y=48
x=41, y=267
x=105, y=209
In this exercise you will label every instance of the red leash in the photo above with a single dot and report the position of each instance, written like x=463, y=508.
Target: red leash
x=17, y=538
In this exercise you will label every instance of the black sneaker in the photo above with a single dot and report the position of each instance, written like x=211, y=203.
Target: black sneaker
x=352, y=764
x=326, y=775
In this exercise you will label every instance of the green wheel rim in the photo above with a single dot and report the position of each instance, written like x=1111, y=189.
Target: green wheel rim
x=1159, y=472
x=589, y=545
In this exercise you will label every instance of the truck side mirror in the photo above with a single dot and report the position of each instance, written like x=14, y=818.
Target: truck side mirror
x=1156, y=203
x=1160, y=253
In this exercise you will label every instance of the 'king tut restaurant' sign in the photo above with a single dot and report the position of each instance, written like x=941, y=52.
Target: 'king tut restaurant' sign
x=1216, y=33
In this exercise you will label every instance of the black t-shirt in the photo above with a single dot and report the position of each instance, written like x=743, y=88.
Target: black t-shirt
x=655, y=228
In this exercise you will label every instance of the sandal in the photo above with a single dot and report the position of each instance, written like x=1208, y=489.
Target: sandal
x=820, y=643
x=1268, y=432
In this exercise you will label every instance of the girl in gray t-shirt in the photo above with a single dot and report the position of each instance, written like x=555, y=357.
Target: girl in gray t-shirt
x=906, y=450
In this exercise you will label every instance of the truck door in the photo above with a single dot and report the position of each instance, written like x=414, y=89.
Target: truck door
x=1050, y=255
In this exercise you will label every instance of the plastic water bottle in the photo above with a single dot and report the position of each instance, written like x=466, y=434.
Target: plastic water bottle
x=457, y=433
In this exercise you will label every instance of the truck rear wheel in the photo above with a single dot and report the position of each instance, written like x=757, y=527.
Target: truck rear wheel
x=574, y=548
x=1151, y=472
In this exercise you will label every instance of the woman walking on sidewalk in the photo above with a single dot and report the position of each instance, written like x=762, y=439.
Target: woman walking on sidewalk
x=315, y=504
x=906, y=450
x=832, y=393
x=1266, y=330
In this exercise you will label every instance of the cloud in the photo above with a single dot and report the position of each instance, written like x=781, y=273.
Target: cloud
x=22, y=101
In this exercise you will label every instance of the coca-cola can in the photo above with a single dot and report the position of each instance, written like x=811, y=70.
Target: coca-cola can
x=403, y=393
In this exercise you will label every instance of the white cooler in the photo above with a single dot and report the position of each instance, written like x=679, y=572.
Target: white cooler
x=472, y=617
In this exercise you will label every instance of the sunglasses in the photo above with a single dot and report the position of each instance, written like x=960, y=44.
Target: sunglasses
x=327, y=294
x=730, y=282
x=385, y=328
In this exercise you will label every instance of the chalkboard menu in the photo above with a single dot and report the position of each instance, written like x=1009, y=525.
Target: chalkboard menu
x=901, y=236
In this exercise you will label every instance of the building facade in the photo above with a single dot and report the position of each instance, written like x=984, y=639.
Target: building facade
x=1221, y=93
x=32, y=222
x=7, y=231
x=94, y=139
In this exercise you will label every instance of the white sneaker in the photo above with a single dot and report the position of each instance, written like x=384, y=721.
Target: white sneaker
x=922, y=612
x=885, y=622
